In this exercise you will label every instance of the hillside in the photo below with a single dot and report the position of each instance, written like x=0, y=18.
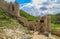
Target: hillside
x=11, y=28
x=55, y=19
x=7, y=21
x=13, y=25
x=3, y=16
x=26, y=15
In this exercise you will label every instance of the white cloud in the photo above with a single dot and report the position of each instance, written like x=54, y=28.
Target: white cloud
x=27, y=5
x=10, y=1
x=52, y=7
x=37, y=3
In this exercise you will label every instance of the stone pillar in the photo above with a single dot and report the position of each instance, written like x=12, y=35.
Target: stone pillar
x=49, y=23
x=45, y=24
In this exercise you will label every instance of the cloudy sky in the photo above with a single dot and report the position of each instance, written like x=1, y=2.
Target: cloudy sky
x=39, y=7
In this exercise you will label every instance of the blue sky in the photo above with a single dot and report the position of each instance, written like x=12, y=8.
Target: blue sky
x=23, y=1
x=38, y=7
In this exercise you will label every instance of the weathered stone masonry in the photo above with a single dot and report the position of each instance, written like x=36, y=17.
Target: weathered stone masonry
x=10, y=7
x=43, y=24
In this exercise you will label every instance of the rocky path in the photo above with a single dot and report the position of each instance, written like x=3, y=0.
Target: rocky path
x=18, y=34
x=36, y=36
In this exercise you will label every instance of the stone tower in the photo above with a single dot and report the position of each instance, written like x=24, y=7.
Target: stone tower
x=10, y=6
x=1, y=1
x=45, y=23
x=16, y=9
x=2, y=4
x=13, y=8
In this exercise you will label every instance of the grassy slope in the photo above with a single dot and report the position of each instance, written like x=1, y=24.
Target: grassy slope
x=5, y=20
x=55, y=21
x=26, y=15
x=55, y=26
x=54, y=18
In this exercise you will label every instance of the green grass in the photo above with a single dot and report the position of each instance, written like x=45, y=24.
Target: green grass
x=3, y=15
x=8, y=22
x=55, y=26
x=4, y=18
x=26, y=15
x=55, y=18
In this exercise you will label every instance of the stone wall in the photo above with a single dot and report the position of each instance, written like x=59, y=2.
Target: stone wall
x=43, y=23
x=12, y=8
x=3, y=4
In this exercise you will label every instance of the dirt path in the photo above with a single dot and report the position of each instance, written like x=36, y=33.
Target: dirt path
x=18, y=34
x=36, y=36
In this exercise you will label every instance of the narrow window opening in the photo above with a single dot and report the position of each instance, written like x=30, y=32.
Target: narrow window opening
x=12, y=8
x=41, y=21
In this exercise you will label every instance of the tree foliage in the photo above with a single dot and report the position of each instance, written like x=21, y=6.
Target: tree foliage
x=55, y=18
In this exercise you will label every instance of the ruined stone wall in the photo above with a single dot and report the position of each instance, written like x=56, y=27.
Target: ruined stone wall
x=23, y=20
x=10, y=7
x=49, y=23
x=32, y=25
x=16, y=10
x=3, y=4
x=13, y=9
x=43, y=23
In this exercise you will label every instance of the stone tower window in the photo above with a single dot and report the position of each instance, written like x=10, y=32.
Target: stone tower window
x=13, y=8
x=41, y=21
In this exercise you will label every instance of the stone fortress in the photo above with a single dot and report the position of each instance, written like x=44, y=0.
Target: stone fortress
x=42, y=25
